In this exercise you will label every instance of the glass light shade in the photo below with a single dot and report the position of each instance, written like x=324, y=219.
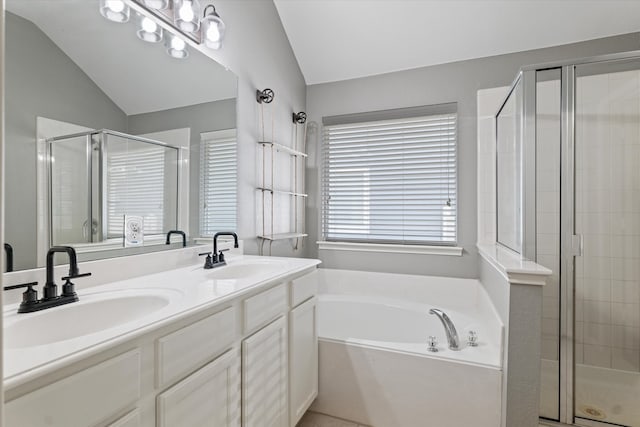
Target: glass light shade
x=187, y=15
x=176, y=47
x=212, y=29
x=147, y=29
x=114, y=10
x=156, y=4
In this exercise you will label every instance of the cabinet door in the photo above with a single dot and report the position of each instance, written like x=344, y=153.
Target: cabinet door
x=303, y=359
x=208, y=397
x=132, y=419
x=264, y=377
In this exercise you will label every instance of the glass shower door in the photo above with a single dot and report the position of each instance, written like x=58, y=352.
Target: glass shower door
x=607, y=220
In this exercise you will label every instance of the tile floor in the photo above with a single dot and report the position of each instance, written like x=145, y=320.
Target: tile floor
x=314, y=419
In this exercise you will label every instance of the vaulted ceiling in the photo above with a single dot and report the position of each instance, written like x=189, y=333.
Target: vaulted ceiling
x=344, y=39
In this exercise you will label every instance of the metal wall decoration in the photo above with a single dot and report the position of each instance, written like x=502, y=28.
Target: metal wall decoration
x=265, y=96
x=300, y=118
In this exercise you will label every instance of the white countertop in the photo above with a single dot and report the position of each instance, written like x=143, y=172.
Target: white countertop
x=189, y=289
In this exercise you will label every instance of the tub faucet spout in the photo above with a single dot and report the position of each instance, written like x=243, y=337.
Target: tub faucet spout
x=449, y=328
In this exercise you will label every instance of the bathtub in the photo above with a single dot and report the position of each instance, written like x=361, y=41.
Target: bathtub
x=374, y=365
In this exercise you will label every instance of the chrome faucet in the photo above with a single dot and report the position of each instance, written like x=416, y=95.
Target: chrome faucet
x=449, y=328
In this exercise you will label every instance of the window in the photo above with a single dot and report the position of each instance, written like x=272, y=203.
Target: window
x=390, y=177
x=136, y=186
x=218, y=181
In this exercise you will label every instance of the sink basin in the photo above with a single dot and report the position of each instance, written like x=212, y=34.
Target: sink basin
x=93, y=313
x=244, y=270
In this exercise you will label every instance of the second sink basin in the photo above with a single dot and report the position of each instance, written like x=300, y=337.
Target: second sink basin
x=243, y=270
x=93, y=313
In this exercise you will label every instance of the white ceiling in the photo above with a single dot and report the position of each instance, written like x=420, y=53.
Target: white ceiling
x=344, y=39
x=138, y=76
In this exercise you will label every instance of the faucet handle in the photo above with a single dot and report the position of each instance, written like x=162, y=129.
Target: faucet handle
x=76, y=276
x=472, y=339
x=432, y=344
x=208, y=262
x=30, y=296
x=221, y=255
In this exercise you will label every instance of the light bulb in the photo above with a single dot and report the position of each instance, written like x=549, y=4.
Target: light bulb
x=186, y=12
x=213, y=28
x=148, y=25
x=148, y=29
x=116, y=6
x=186, y=15
x=114, y=10
x=213, y=34
x=176, y=47
x=177, y=43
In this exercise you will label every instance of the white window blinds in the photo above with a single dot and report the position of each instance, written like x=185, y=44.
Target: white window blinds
x=390, y=181
x=135, y=186
x=218, y=182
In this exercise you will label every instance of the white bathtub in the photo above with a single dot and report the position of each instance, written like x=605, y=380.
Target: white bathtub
x=374, y=365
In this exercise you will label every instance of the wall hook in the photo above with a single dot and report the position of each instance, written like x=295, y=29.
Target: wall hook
x=265, y=96
x=300, y=117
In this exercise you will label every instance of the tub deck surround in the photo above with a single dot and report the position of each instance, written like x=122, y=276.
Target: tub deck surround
x=189, y=290
x=513, y=266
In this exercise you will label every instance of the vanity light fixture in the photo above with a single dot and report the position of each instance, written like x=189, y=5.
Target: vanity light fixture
x=148, y=30
x=176, y=47
x=156, y=4
x=182, y=15
x=187, y=15
x=114, y=10
x=212, y=28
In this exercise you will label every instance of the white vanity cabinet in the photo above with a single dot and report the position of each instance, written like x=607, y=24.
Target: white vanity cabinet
x=251, y=361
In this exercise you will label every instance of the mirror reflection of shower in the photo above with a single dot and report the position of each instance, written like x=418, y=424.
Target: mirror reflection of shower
x=99, y=177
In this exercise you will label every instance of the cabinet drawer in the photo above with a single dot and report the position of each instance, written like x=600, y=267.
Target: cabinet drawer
x=83, y=399
x=132, y=419
x=304, y=288
x=185, y=350
x=262, y=308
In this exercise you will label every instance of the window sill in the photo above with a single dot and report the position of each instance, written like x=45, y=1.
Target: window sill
x=389, y=248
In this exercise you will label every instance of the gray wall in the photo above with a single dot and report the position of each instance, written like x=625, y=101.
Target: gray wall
x=454, y=82
x=40, y=81
x=257, y=50
x=200, y=118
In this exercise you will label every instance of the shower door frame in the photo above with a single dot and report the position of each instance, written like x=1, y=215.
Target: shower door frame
x=570, y=243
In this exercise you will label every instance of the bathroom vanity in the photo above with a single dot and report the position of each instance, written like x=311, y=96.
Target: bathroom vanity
x=236, y=345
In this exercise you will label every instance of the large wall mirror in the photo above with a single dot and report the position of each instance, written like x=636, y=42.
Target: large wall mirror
x=104, y=128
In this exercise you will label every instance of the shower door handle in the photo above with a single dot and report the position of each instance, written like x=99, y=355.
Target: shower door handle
x=576, y=244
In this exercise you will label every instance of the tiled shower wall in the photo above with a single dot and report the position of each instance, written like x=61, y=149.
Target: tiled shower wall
x=608, y=217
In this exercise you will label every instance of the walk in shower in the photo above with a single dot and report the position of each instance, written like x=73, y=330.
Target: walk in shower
x=568, y=196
